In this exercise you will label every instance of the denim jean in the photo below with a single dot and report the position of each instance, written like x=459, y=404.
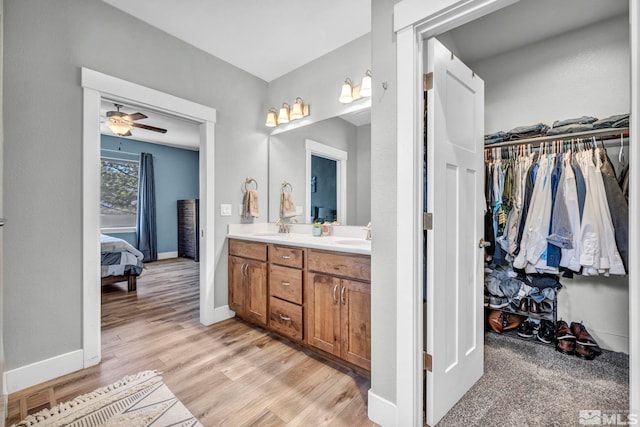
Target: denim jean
x=511, y=287
x=570, y=129
x=618, y=208
x=577, y=120
x=608, y=122
x=521, y=132
x=553, y=251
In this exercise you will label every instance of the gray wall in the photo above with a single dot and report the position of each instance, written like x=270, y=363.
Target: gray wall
x=383, y=197
x=46, y=43
x=364, y=175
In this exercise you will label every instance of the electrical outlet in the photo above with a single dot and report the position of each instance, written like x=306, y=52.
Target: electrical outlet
x=225, y=210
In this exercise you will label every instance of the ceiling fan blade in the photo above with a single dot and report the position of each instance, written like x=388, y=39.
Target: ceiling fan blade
x=136, y=116
x=147, y=127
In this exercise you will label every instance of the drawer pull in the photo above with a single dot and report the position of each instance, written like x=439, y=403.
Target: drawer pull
x=285, y=318
x=286, y=257
x=342, y=295
x=285, y=283
x=335, y=288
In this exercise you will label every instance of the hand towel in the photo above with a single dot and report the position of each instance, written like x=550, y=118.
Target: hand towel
x=287, y=207
x=250, y=209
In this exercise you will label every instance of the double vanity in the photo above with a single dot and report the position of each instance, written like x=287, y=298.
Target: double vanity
x=315, y=291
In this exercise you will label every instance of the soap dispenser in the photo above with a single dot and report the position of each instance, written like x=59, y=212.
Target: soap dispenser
x=326, y=228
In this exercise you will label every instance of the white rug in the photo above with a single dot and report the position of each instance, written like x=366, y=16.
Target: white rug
x=134, y=401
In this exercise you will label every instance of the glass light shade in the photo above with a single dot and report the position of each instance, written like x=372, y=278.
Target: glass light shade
x=272, y=120
x=118, y=126
x=365, y=86
x=345, y=94
x=283, y=117
x=296, y=112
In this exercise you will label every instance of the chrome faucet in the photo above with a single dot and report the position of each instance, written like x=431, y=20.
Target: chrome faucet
x=368, y=228
x=282, y=227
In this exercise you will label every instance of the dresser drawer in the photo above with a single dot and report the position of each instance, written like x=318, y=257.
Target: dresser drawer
x=285, y=318
x=245, y=249
x=340, y=264
x=283, y=255
x=285, y=283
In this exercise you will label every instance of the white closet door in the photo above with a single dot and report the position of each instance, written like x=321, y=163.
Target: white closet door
x=455, y=126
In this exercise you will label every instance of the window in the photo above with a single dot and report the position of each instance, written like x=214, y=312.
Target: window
x=118, y=192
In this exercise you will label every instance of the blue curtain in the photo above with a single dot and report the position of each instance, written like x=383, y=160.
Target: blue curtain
x=146, y=236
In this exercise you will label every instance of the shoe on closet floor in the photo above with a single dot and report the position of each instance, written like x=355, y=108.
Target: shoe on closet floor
x=527, y=329
x=546, y=332
x=584, y=338
x=498, y=302
x=565, y=340
x=585, y=352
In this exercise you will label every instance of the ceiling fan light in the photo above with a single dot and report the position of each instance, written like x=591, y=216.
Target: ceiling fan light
x=283, y=117
x=272, y=119
x=345, y=94
x=297, y=111
x=365, y=86
x=118, y=126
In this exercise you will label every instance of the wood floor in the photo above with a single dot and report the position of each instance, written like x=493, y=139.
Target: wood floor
x=227, y=374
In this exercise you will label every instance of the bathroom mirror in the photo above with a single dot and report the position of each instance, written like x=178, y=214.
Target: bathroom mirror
x=328, y=167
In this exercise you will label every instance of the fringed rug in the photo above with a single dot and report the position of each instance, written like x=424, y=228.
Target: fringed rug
x=134, y=401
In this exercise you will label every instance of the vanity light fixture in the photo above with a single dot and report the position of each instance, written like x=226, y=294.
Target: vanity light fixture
x=272, y=118
x=365, y=86
x=277, y=117
x=283, y=117
x=346, y=95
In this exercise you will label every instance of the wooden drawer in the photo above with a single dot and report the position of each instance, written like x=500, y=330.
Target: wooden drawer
x=340, y=264
x=283, y=255
x=285, y=318
x=246, y=249
x=285, y=283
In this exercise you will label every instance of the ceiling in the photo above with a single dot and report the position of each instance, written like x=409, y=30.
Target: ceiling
x=267, y=38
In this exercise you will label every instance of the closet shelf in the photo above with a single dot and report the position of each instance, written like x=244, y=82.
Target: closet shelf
x=588, y=134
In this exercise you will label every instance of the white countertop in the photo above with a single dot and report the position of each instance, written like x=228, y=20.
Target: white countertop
x=343, y=239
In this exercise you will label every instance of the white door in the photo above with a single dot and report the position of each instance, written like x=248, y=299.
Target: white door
x=455, y=179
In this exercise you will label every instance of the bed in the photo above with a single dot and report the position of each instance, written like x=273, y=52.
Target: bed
x=119, y=262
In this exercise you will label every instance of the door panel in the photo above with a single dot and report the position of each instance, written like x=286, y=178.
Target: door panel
x=256, y=291
x=355, y=303
x=454, y=273
x=324, y=313
x=236, y=284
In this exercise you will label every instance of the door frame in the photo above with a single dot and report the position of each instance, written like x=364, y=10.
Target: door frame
x=95, y=86
x=318, y=149
x=415, y=21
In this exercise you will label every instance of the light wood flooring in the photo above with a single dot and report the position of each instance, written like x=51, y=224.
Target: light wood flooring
x=227, y=374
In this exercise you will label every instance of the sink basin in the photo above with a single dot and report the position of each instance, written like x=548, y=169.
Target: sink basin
x=268, y=234
x=354, y=242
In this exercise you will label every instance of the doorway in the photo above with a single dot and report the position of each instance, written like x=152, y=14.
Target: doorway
x=412, y=31
x=97, y=86
x=340, y=157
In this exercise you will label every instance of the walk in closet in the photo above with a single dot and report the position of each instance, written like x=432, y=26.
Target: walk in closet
x=539, y=63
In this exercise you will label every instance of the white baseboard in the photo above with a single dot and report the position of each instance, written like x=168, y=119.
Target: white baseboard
x=222, y=313
x=610, y=341
x=167, y=255
x=381, y=411
x=45, y=370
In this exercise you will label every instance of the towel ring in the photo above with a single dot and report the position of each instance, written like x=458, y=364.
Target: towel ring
x=285, y=184
x=249, y=180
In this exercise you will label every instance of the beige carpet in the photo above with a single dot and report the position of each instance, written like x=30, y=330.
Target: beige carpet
x=134, y=401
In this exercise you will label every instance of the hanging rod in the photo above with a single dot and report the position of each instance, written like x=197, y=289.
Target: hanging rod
x=564, y=136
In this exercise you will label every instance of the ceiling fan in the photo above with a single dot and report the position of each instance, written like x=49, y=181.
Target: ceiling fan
x=121, y=123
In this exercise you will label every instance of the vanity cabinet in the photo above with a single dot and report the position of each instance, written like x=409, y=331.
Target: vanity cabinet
x=286, y=278
x=248, y=291
x=339, y=306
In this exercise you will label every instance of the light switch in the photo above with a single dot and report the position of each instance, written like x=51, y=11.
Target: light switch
x=225, y=210
x=299, y=210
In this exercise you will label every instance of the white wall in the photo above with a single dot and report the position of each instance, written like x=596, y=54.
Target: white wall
x=46, y=43
x=584, y=72
x=363, y=195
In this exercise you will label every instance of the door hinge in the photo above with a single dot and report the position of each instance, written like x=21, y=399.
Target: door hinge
x=427, y=221
x=427, y=82
x=427, y=361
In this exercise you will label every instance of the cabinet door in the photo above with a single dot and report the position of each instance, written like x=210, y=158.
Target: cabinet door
x=324, y=313
x=237, y=273
x=355, y=316
x=256, y=291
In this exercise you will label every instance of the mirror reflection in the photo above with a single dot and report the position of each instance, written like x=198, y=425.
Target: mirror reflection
x=328, y=166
